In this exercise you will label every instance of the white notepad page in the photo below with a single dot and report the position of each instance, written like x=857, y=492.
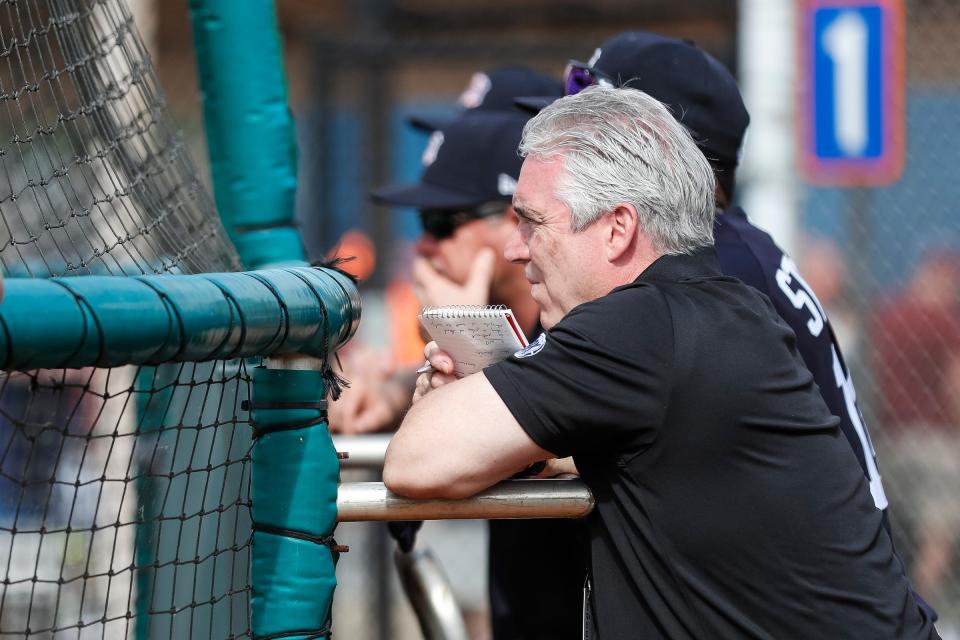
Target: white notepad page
x=475, y=337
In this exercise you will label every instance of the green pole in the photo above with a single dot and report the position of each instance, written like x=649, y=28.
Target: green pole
x=250, y=135
x=292, y=313
x=295, y=470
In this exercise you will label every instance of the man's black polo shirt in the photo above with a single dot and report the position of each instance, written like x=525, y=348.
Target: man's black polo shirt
x=729, y=505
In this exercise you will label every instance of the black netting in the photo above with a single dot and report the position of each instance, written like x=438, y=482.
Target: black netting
x=124, y=493
x=94, y=178
x=124, y=502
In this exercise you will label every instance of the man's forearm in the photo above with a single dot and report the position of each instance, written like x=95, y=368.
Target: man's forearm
x=457, y=441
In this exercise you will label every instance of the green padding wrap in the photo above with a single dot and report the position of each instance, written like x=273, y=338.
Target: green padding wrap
x=294, y=487
x=295, y=471
x=109, y=321
x=269, y=247
x=293, y=584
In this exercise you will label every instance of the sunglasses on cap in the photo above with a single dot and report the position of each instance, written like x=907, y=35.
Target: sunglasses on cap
x=442, y=223
x=579, y=75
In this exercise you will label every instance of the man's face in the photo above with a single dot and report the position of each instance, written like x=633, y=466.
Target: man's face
x=557, y=262
x=453, y=256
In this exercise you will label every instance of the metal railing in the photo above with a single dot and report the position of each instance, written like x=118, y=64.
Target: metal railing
x=547, y=498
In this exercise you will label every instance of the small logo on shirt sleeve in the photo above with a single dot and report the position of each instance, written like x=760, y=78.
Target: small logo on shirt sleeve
x=533, y=348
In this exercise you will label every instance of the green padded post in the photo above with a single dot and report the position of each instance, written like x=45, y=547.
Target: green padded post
x=253, y=160
x=294, y=492
x=250, y=136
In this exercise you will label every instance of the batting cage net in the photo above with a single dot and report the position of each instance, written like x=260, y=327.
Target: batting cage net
x=124, y=503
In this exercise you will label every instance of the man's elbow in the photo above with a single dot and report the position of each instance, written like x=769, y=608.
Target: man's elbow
x=402, y=481
x=413, y=481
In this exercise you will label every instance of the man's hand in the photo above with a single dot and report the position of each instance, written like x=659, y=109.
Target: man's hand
x=369, y=406
x=440, y=374
x=433, y=289
x=558, y=467
x=376, y=398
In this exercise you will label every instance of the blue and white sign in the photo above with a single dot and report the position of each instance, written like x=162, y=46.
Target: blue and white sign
x=853, y=107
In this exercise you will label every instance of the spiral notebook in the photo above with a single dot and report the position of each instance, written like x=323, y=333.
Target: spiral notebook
x=475, y=337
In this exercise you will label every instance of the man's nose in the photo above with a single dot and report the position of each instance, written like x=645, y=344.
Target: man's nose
x=516, y=249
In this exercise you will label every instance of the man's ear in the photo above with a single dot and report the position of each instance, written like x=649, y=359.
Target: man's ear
x=620, y=234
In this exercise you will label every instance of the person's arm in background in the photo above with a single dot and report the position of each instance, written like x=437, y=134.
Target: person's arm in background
x=379, y=392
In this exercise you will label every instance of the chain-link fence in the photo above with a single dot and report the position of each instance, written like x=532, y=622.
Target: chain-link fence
x=885, y=262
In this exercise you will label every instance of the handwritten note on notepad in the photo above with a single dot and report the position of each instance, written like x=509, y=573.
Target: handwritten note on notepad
x=475, y=337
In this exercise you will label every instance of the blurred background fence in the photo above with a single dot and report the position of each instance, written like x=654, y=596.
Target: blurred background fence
x=883, y=261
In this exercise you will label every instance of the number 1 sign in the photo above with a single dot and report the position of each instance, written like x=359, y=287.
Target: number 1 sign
x=851, y=66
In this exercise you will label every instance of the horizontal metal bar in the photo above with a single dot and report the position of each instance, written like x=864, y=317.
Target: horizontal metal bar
x=364, y=452
x=553, y=498
x=109, y=321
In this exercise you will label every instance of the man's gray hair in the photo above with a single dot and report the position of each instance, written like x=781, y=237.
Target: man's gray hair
x=622, y=146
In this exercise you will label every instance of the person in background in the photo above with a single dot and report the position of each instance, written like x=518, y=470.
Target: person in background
x=380, y=390
x=917, y=338
x=535, y=566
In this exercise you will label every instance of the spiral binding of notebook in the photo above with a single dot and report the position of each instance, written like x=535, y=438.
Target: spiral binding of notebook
x=465, y=311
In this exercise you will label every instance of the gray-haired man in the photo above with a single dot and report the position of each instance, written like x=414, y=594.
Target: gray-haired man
x=726, y=502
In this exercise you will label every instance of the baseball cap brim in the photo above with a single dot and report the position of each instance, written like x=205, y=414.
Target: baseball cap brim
x=534, y=104
x=428, y=123
x=424, y=195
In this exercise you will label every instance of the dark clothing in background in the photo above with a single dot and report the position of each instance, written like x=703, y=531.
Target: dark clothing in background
x=750, y=255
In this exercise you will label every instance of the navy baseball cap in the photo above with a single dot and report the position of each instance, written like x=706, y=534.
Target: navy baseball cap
x=494, y=90
x=470, y=162
x=700, y=91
